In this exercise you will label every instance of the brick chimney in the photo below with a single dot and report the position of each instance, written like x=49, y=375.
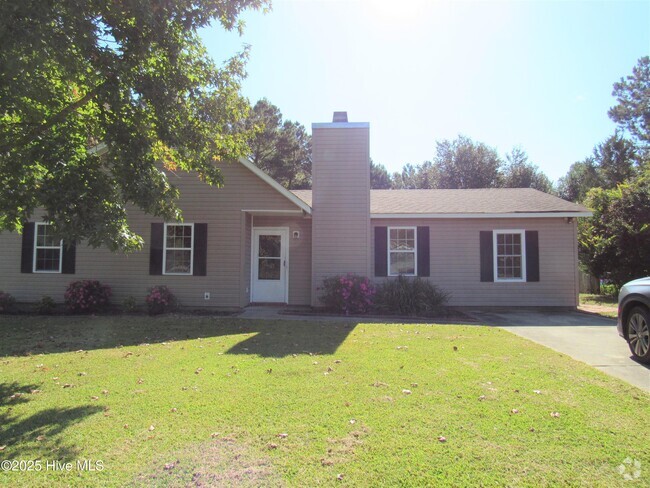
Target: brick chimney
x=340, y=199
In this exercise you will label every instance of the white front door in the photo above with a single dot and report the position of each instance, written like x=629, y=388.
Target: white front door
x=270, y=265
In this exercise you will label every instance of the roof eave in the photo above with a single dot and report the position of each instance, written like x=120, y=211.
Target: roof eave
x=511, y=215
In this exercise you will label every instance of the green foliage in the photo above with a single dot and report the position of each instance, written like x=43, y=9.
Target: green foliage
x=615, y=242
x=347, y=294
x=633, y=96
x=609, y=290
x=463, y=163
x=518, y=172
x=410, y=296
x=45, y=306
x=613, y=162
x=131, y=75
x=130, y=304
x=87, y=296
x=379, y=177
x=7, y=302
x=281, y=148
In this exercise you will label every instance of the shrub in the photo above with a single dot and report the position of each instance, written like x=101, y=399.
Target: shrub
x=129, y=304
x=87, y=296
x=7, y=302
x=160, y=300
x=45, y=306
x=347, y=294
x=410, y=296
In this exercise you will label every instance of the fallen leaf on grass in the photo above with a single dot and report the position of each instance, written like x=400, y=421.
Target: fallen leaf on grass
x=377, y=384
x=214, y=435
x=55, y=378
x=514, y=410
x=414, y=385
x=198, y=370
x=353, y=421
x=151, y=428
x=340, y=477
x=40, y=438
x=67, y=385
x=283, y=436
x=34, y=392
x=140, y=381
x=104, y=392
x=407, y=392
x=537, y=391
x=15, y=395
x=128, y=354
x=169, y=466
x=94, y=398
x=532, y=429
x=272, y=445
x=174, y=410
x=555, y=414
x=455, y=348
x=326, y=462
x=269, y=371
x=82, y=373
x=2, y=448
x=126, y=426
x=482, y=397
x=442, y=439
x=338, y=361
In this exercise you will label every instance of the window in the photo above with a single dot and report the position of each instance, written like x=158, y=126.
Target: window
x=402, y=252
x=178, y=252
x=509, y=255
x=48, y=252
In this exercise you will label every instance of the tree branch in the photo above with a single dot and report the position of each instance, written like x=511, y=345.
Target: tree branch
x=52, y=121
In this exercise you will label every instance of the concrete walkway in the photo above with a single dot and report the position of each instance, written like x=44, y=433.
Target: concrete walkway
x=588, y=338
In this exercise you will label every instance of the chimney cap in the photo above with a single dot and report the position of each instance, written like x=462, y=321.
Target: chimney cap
x=340, y=117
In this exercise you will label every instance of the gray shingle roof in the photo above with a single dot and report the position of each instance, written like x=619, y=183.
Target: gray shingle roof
x=478, y=201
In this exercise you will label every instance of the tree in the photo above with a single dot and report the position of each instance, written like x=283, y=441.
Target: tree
x=132, y=75
x=463, y=163
x=613, y=162
x=615, y=242
x=379, y=177
x=281, y=148
x=518, y=172
x=633, y=109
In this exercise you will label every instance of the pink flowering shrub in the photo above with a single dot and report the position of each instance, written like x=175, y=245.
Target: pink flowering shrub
x=160, y=299
x=87, y=296
x=347, y=294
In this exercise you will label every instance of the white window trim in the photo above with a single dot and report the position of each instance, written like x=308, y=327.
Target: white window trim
x=522, y=233
x=415, y=249
x=191, y=249
x=36, y=247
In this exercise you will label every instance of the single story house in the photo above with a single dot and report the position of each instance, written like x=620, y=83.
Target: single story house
x=253, y=241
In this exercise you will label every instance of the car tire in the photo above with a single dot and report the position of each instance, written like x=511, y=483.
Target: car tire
x=638, y=333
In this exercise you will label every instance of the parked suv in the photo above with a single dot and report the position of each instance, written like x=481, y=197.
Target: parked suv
x=634, y=317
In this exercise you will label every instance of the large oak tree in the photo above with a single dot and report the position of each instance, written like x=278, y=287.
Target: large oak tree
x=132, y=75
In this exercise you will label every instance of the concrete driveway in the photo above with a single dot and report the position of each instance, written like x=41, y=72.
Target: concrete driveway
x=588, y=338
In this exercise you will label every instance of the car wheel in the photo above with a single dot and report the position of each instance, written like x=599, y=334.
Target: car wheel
x=638, y=333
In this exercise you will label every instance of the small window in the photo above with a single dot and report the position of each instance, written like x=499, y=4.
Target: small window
x=179, y=247
x=509, y=255
x=48, y=251
x=402, y=252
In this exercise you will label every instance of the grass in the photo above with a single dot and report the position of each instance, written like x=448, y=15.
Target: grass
x=601, y=304
x=199, y=401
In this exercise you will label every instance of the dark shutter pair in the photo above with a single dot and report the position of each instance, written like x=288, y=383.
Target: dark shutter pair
x=381, y=251
x=200, y=249
x=68, y=260
x=487, y=255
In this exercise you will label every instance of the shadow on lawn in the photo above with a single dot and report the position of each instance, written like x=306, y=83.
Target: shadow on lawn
x=38, y=434
x=21, y=336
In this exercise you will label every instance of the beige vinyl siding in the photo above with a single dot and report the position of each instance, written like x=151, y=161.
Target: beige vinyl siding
x=299, y=255
x=341, y=203
x=128, y=275
x=455, y=261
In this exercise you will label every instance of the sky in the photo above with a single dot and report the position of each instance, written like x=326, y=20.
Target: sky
x=537, y=75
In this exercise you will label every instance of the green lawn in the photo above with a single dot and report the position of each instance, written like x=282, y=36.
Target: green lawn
x=201, y=401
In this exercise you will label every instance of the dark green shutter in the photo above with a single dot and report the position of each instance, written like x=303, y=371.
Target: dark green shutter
x=424, y=267
x=68, y=264
x=200, y=249
x=27, y=256
x=381, y=251
x=532, y=255
x=156, y=249
x=487, y=256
